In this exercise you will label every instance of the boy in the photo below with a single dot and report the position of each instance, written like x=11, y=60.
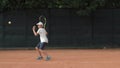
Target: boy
x=44, y=40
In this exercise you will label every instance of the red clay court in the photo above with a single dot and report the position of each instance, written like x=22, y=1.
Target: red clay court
x=61, y=58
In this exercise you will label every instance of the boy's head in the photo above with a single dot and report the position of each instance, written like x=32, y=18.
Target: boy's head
x=39, y=24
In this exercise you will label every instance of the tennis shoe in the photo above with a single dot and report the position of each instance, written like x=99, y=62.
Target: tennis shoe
x=48, y=58
x=39, y=58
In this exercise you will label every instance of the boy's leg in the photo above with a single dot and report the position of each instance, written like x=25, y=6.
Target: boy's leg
x=37, y=49
x=45, y=53
x=41, y=49
x=40, y=54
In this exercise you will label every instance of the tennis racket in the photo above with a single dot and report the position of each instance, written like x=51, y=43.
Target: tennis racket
x=43, y=20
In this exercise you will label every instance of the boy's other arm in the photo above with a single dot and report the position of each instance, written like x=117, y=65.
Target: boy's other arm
x=34, y=32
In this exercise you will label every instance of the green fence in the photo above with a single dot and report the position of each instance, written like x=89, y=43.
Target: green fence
x=66, y=29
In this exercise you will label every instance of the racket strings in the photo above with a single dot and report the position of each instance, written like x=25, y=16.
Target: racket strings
x=43, y=20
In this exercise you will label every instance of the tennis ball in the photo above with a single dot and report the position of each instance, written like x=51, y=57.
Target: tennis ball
x=9, y=22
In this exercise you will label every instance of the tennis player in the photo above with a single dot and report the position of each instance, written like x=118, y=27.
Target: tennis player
x=43, y=41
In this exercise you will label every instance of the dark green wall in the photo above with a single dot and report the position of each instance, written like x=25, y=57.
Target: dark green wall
x=66, y=29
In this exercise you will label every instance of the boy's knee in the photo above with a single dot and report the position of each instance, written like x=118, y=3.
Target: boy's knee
x=41, y=50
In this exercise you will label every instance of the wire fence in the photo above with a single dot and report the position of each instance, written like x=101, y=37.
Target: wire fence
x=66, y=29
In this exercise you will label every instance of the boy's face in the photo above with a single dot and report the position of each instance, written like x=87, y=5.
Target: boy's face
x=39, y=26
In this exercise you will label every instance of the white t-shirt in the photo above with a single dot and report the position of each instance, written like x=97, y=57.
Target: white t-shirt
x=42, y=33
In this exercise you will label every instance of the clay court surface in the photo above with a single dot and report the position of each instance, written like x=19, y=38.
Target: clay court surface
x=61, y=58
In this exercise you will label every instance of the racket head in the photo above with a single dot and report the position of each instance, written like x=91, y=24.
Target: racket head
x=43, y=20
